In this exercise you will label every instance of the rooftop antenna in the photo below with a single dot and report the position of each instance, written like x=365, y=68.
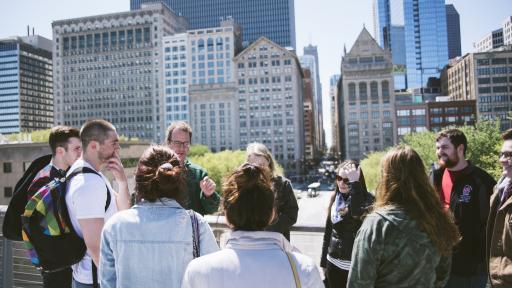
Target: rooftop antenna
x=28, y=30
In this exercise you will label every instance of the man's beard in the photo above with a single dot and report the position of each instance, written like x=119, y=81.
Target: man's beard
x=105, y=157
x=449, y=162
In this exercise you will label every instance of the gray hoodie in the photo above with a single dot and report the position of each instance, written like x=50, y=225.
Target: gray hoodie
x=391, y=251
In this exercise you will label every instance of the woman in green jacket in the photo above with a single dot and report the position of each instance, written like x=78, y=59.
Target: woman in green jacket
x=407, y=240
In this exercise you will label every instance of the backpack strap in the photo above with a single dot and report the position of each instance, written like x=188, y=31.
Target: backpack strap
x=94, y=275
x=83, y=170
x=195, y=233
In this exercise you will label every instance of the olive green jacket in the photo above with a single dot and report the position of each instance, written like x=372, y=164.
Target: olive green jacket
x=391, y=251
x=196, y=200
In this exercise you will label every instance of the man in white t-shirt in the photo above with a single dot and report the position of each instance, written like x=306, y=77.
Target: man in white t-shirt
x=86, y=195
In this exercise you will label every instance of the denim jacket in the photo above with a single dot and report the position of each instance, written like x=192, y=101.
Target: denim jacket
x=150, y=245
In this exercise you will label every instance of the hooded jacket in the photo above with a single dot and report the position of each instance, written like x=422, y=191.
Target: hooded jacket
x=469, y=203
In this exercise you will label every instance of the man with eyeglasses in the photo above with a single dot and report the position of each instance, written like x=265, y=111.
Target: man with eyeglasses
x=499, y=225
x=202, y=197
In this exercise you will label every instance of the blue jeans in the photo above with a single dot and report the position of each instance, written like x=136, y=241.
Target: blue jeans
x=77, y=284
x=476, y=281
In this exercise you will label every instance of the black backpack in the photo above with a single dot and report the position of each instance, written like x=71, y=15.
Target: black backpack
x=11, y=228
x=48, y=233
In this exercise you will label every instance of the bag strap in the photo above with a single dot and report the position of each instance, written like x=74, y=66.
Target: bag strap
x=294, y=269
x=83, y=170
x=94, y=275
x=195, y=233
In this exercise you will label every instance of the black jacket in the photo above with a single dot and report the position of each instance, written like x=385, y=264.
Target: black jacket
x=287, y=208
x=469, y=203
x=339, y=238
x=11, y=227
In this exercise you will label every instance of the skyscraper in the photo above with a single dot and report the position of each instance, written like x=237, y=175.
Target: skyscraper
x=390, y=34
x=198, y=56
x=453, y=31
x=274, y=19
x=312, y=51
x=421, y=25
x=271, y=101
x=426, y=41
x=389, y=28
x=110, y=66
x=26, y=86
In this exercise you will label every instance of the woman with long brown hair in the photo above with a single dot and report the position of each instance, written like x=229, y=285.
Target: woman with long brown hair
x=408, y=239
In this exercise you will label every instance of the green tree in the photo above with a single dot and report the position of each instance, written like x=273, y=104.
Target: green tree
x=219, y=165
x=198, y=150
x=484, y=142
x=424, y=143
x=371, y=169
x=34, y=136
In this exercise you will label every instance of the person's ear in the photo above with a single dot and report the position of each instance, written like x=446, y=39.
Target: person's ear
x=460, y=149
x=60, y=151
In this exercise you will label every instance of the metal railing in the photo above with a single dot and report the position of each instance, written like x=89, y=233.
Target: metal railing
x=17, y=271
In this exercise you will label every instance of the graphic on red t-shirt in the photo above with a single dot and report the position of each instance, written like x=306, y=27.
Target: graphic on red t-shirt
x=449, y=178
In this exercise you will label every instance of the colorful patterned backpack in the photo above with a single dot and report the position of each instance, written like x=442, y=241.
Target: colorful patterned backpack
x=47, y=231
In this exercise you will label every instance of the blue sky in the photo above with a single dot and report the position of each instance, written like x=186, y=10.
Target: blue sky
x=329, y=24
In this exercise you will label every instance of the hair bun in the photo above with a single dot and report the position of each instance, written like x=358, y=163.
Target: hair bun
x=251, y=170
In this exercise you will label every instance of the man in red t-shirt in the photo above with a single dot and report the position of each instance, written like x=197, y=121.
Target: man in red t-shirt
x=465, y=190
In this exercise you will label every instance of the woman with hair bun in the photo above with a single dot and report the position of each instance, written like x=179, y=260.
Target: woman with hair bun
x=151, y=244
x=252, y=257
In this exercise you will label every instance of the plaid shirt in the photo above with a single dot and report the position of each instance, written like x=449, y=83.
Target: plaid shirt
x=43, y=177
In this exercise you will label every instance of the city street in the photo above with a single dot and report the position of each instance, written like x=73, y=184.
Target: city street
x=312, y=212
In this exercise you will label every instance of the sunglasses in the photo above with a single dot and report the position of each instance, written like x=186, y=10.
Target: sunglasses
x=339, y=178
x=506, y=154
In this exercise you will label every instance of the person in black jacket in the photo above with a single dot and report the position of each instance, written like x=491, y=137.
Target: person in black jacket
x=285, y=201
x=349, y=203
x=465, y=189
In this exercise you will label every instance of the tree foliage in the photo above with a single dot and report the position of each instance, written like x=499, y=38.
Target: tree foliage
x=219, y=165
x=370, y=167
x=484, y=143
x=198, y=150
x=34, y=136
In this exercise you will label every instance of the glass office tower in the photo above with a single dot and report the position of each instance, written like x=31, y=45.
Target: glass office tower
x=425, y=40
x=390, y=34
x=453, y=30
x=26, y=86
x=274, y=19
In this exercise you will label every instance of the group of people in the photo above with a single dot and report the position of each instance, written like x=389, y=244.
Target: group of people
x=417, y=231
x=151, y=237
x=452, y=228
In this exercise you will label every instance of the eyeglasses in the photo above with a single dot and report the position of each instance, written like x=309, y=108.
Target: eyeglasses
x=345, y=180
x=180, y=144
x=506, y=154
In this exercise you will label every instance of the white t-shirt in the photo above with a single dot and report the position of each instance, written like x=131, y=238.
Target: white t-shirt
x=86, y=198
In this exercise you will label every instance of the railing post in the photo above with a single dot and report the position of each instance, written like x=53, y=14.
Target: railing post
x=7, y=263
